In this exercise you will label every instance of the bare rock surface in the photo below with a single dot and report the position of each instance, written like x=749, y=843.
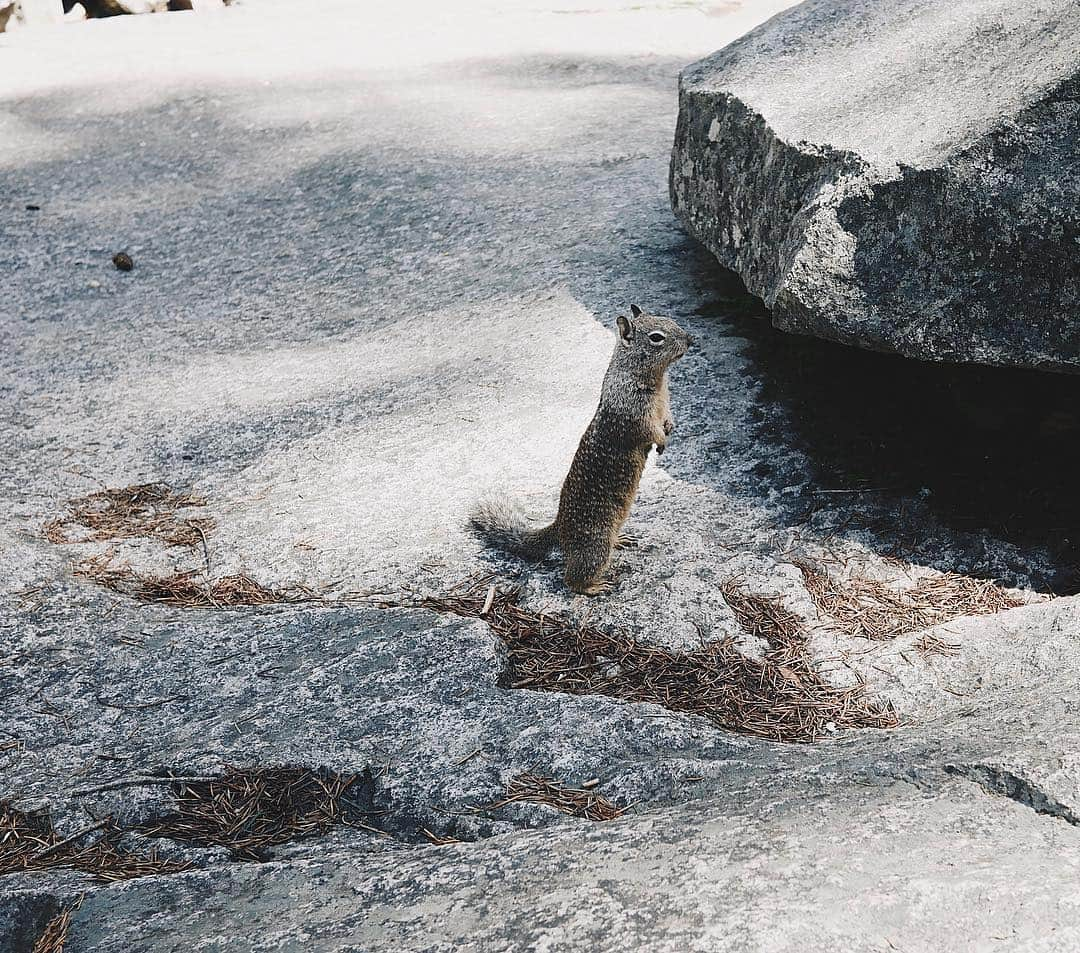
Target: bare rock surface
x=900, y=176
x=375, y=275
x=833, y=867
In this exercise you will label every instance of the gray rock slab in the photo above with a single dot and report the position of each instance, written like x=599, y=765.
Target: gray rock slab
x=374, y=282
x=896, y=867
x=900, y=176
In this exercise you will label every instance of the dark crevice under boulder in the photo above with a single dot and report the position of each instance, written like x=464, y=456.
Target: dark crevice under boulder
x=900, y=175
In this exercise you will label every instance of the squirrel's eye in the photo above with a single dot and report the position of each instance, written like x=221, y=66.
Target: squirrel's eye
x=657, y=337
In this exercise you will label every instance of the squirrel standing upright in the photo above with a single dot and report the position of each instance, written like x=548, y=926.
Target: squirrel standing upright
x=634, y=415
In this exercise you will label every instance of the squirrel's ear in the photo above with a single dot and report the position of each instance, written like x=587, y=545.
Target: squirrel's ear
x=635, y=311
x=626, y=330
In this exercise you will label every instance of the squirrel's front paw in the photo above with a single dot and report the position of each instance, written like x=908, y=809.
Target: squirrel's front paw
x=660, y=447
x=669, y=426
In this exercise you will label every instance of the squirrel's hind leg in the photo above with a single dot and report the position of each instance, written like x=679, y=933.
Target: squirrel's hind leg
x=585, y=565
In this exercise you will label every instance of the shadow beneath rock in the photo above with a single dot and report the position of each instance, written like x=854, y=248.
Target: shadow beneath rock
x=904, y=449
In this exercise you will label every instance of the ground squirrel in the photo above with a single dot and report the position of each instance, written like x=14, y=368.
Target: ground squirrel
x=634, y=415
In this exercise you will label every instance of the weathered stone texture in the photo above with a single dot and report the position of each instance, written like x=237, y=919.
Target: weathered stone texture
x=902, y=176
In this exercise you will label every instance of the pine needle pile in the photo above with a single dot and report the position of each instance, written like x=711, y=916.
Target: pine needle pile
x=187, y=589
x=578, y=802
x=28, y=842
x=147, y=510
x=55, y=934
x=780, y=696
x=877, y=610
x=248, y=811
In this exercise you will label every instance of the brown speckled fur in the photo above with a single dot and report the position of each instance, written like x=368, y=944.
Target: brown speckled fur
x=634, y=415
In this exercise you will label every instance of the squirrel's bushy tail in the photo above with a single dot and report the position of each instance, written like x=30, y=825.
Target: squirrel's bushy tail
x=501, y=523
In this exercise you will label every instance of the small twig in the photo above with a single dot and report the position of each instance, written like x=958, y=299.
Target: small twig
x=864, y=489
x=205, y=546
x=140, y=782
x=468, y=757
x=225, y=658
x=141, y=705
x=437, y=840
x=78, y=835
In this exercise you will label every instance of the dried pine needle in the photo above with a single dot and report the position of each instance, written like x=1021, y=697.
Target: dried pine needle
x=187, y=588
x=248, y=811
x=780, y=696
x=877, y=610
x=28, y=842
x=147, y=510
x=55, y=934
x=577, y=802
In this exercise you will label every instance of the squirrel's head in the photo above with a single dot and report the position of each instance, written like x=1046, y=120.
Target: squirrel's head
x=650, y=340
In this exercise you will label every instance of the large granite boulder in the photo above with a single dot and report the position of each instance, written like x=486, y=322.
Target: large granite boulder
x=902, y=175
